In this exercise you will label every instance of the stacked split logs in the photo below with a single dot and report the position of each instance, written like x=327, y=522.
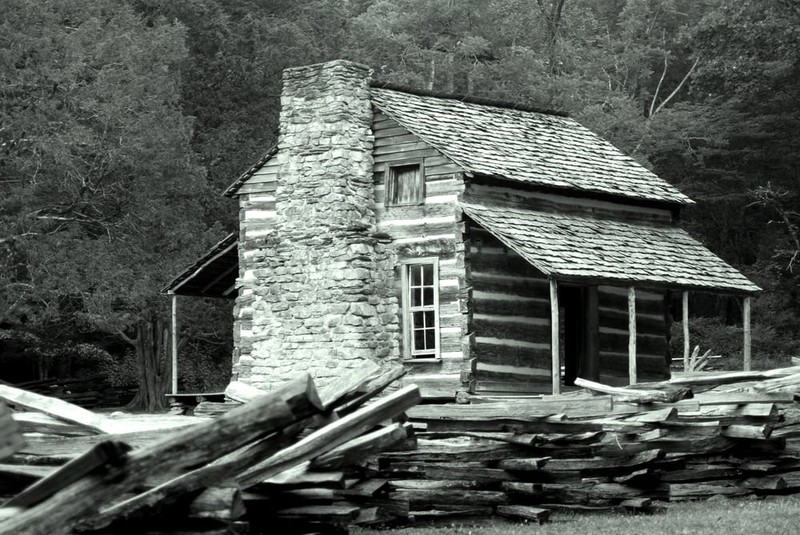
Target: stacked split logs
x=284, y=460
x=296, y=460
x=626, y=450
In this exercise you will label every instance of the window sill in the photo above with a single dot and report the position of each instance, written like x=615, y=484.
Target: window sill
x=421, y=360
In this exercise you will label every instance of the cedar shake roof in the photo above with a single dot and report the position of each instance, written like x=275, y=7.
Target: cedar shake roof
x=573, y=248
x=213, y=275
x=536, y=148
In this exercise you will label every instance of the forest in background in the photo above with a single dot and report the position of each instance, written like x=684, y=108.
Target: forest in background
x=121, y=121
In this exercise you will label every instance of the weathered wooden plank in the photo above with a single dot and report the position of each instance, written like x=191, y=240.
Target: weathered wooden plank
x=433, y=497
x=11, y=440
x=192, y=446
x=634, y=394
x=526, y=513
x=107, y=452
x=517, y=409
x=419, y=152
x=58, y=409
x=357, y=449
x=333, y=435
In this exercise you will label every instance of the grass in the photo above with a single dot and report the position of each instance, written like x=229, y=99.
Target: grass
x=774, y=515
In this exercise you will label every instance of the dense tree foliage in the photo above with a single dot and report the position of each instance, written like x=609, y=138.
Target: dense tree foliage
x=120, y=120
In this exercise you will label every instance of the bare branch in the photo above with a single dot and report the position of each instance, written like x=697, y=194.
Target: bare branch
x=658, y=87
x=675, y=91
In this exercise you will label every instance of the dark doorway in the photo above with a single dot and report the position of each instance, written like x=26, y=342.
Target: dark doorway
x=579, y=319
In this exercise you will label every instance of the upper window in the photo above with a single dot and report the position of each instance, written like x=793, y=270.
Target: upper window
x=421, y=309
x=405, y=185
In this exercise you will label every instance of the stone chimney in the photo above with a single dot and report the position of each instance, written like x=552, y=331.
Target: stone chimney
x=323, y=295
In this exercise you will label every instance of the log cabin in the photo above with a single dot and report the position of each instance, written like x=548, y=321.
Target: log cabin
x=493, y=249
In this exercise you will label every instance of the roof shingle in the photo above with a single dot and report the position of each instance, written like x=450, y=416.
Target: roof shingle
x=579, y=248
x=532, y=147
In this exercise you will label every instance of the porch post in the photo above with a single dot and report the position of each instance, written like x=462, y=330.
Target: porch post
x=632, y=335
x=747, y=340
x=686, y=345
x=174, y=337
x=555, y=334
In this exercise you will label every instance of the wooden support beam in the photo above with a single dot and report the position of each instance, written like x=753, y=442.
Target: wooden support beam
x=174, y=338
x=747, y=339
x=686, y=347
x=632, y=335
x=555, y=334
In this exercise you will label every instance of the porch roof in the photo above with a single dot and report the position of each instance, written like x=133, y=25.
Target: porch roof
x=213, y=275
x=582, y=249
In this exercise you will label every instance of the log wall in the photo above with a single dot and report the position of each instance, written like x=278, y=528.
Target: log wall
x=432, y=229
x=257, y=219
x=549, y=202
x=510, y=319
x=652, y=332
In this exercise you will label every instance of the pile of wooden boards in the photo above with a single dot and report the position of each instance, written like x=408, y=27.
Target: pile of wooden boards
x=626, y=449
x=296, y=460
x=261, y=466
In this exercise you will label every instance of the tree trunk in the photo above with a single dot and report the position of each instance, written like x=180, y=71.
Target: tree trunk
x=154, y=363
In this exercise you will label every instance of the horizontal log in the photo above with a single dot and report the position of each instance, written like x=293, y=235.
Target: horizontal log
x=516, y=426
x=485, y=387
x=324, y=513
x=648, y=345
x=694, y=491
x=433, y=497
x=619, y=301
x=524, y=512
x=698, y=473
x=634, y=394
x=496, y=327
x=611, y=319
x=517, y=409
x=493, y=302
x=444, y=450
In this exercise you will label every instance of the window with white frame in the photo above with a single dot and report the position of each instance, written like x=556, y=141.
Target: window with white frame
x=421, y=308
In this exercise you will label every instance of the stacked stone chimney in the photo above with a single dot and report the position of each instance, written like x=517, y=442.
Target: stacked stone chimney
x=322, y=298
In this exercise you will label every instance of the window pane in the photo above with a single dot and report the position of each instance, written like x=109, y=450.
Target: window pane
x=416, y=275
x=418, y=320
x=429, y=319
x=427, y=297
x=416, y=297
x=427, y=274
x=419, y=340
x=430, y=338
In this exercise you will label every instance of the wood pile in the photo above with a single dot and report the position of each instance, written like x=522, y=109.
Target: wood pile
x=298, y=460
x=289, y=460
x=623, y=449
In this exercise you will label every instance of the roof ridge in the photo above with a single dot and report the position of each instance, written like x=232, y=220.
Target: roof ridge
x=517, y=106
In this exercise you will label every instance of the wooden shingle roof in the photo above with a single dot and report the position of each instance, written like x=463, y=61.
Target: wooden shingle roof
x=536, y=148
x=573, y=248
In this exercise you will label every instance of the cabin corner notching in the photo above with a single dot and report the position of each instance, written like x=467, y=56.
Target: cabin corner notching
x=484, y=246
